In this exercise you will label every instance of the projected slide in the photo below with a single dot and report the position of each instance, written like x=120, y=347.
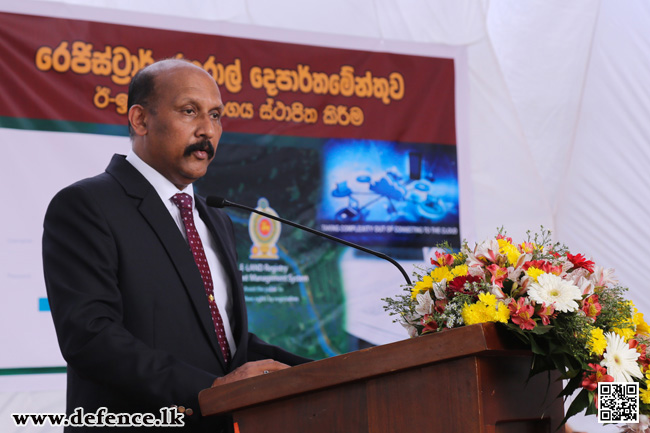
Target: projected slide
x=389, y=194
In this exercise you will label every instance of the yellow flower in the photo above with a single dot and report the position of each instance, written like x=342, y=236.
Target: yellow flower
x=640, y=324
x=475, y=313
x=511, y=251
x=470, y=314
x=441, y=273
x=533, y=273
x=459, y=271
x=422, y=286
x=626, y=326
x=487, y=309
x=644, y=394
x=626, y=333
x=488, y=299
x=597, y=342
x=503, y=313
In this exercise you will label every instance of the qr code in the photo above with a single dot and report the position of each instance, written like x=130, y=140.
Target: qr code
x=618, y=402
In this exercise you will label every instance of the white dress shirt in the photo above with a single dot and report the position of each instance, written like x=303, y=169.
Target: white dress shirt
x=166, y=190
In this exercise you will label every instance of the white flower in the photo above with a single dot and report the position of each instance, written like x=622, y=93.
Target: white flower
x=619, y=359
x=514, y=273
x=476, y=271
x=496, y=291
x=486, y=250
x=585, y=285
x=425, y=303
x=412, y=330
x=551, y=289
x=439, y=289
x=577, y=275
x=603, y=277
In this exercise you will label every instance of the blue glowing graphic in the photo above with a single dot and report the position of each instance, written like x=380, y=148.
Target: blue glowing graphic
x=379, y=182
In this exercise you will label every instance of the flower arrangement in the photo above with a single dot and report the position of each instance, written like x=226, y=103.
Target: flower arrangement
x=570, y=312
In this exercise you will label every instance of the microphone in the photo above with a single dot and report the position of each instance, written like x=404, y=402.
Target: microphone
x=221, y=202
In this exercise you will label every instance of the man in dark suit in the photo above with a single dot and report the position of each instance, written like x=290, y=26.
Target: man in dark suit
x=140, y=324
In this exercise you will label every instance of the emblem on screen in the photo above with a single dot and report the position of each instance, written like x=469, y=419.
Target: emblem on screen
x=264, y=232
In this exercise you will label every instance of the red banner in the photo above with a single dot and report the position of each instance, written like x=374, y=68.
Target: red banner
x=79, y=71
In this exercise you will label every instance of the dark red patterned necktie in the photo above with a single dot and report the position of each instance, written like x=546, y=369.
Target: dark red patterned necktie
x=184, y=203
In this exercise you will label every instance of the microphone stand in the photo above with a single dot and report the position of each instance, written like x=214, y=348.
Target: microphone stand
x=220, y=202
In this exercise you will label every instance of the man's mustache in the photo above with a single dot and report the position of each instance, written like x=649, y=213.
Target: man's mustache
x=204, y=145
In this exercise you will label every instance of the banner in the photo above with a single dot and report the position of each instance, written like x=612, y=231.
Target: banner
x=79, y=71
x=359, y=144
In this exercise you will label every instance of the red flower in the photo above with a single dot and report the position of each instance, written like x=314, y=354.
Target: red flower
x=442, y=260
x=500, y=236
x=643, y=357
x=498, y=274
x=457, y=286
x=544, y=265
x=598, y=374
x=440, y=305
x=547, y=313
x=521, y=314
x=591, y=306
x=580, y=261
x=429, y=324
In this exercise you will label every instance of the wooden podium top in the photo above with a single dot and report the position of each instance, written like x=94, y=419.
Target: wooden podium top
x=485, y=339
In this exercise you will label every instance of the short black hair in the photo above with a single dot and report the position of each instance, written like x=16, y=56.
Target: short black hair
x=141, y=91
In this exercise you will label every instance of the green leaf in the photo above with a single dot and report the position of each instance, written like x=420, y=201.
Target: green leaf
x=540, y=363
x=591, y=409
x=558, y=362
x=574, y=373
x=536, y=348
x=573, y=384
x=542, y=329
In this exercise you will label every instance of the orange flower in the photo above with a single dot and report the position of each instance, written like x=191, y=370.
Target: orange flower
x=521, y=314
x=543, y=265
x=546, y=313
x=430, y=325
x=598, y=374
x=591, y=306
x=442, y=260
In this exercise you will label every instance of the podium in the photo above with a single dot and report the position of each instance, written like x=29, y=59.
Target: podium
x=471, y=379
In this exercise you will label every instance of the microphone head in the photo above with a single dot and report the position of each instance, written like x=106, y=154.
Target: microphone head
x=214, y=201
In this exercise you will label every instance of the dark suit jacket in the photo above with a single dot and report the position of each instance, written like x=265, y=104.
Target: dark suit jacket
x=128, y=303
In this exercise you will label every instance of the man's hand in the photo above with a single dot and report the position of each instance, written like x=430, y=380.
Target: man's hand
x=250, y=369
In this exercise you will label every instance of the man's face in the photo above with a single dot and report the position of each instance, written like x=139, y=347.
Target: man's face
x=183, y=124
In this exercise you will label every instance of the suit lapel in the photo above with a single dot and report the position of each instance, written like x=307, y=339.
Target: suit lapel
x=156, y=214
